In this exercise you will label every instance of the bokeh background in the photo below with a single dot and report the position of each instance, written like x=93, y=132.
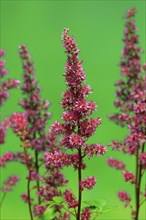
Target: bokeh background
x=98, y=29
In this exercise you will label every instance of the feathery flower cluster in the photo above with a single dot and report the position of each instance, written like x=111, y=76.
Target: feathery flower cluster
x=25, y=198
x=128, y=176
x=10, y=183
x=117, y=164
x=70, y=199
x=39, y=210
x=36, y=112
x=88, y=183
x=7, y=157
x=94, y=149
x=36, y=109
x=18, y=122
x=86, y=214
x=124, y=197
x=76, y=127
x=8, y=84
x=30, y=127
x=131, y=99
x=142, y=159
x=5, y=86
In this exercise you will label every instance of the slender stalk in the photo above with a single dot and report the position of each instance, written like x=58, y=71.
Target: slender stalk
x=142, y=202
x=3, y=198
x=138, y=185
x=29, y=199
x=28, y=184
x=37, y=171
x=79, y=180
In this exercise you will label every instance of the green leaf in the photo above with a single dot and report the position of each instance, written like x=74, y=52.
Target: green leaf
x=49, y=213
x=99, y=207
x=57, y=199
x=96, y=203
x=109, y=209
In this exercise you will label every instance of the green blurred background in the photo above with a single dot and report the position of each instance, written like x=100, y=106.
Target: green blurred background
x=98, y=30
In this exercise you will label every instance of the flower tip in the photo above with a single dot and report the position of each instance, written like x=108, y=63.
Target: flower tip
x=2, y=53
x=131, y=12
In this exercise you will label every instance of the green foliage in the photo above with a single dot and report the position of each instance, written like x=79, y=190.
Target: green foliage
x=99, y=207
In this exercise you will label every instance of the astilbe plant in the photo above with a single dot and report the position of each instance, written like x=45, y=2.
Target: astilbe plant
x=131, y=102
x=40, y=141
x=5, y=86
x=30, y=127
x=76, y=128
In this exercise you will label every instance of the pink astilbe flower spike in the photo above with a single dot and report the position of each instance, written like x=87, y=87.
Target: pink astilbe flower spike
x=18, y=122
x=131, y=101
x=7, y=84
x=70, y=199
x=77, y=126
x=142, y=160
x=117, y=164
x=10, y=183
x=5, y=123
x=128, y=176
x=124, y=197
x=7, y=157
x=88, y=183
x=37, y=139
x=39, y=210
x=86, y=214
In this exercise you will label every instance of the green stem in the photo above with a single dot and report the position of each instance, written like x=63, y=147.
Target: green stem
x=28, y=184
x=79, y=181
x=3, y=198
x=138, y=182
x=37, y=171
x=29, y=198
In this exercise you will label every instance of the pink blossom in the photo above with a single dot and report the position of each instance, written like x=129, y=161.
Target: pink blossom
x=116, y=145
x=57, y=127
x=47, y=192
x=130, y=13
x=88, y=183
x=25, y=198
x=117, y=164
x=131, y=99
x=2, y=135
x=10, y=84
x=88, y=127
x=10, y=183
x=76, y=140
x=128, y=176
x=57, y=159
x=2, y=53
x=18, y=122
x=33, y=176
x=124, y=197
x=94, y=149
x=39, y=210
x=86, y=214
x=7, y=84
x=66, y=216
x=142, y=159
x=7, y=157
x=70, y=199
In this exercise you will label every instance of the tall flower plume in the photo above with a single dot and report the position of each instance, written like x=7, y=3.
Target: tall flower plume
x=131, y=101
x=76, y=127
x=5, y=86
x=39, y=139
